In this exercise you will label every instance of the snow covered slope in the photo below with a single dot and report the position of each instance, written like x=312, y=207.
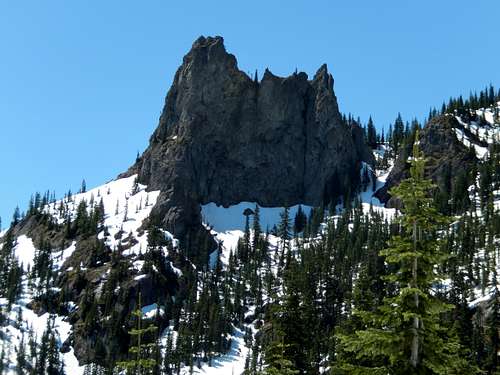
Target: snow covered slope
x=126, y=205
x=480, y=133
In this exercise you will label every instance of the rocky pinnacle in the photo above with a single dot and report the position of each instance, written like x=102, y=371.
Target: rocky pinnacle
x=225, y=137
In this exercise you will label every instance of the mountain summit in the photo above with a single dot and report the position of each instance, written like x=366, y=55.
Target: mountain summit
x=225, y=138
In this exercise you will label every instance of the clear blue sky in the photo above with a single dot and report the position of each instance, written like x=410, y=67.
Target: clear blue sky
x=82, y=83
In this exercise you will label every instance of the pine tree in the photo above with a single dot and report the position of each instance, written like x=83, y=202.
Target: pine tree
x=21, y=357
x=493, y=324
x=43, y=351
x=257, y=230
x=141, y=354
x=285, y=236
x=125, y=214
x=276, y=363
x=300, y=220
x=53, y=360
x=405, y=334
x=16, y=217
x=371, y=134
x=2, y=359
x=244, y=250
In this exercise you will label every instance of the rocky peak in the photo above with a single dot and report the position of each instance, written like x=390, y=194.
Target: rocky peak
x=323, y=78
x=225, y=138
x=210, y=50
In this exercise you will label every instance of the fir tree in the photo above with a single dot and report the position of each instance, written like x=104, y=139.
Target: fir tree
x=21, y=357
x=405, y=335
x=300, y=220
x=43, y=351
x=284, y=230
x=2, y=359
x=371, y=134
x=141, y=354
x=276, y=363
x=257, y=230
x=53, y=360
x=398, y=133
x=16, y=217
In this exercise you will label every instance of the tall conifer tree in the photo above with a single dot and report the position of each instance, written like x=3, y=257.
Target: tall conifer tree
x=405, y=335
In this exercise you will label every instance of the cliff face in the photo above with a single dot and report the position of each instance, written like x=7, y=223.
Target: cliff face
x=225, y=138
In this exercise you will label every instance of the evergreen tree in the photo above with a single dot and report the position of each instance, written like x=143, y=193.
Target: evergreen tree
x=257, y=230
x=300, y=220
x=16, y=217
x=371, y=134
x=21, y=365
x=284, y=233
x=43, y=351
x=276, y=363
x=53, y=360
x=493, y=323
x=398, y=133
x=405, y=335
x=2, y=359
x=141, y=354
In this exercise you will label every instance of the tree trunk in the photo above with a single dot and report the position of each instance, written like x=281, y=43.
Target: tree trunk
x=416, y=322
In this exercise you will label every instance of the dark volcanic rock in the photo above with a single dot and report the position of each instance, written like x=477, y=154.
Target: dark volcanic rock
x=445, y=156
x=225, y=138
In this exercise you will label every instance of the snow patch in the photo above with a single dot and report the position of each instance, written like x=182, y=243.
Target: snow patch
x=150, y=311
x=25, y=251
x=231, y=363
x=229, y=218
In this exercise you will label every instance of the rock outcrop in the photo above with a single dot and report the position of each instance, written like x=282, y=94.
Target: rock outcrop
x=224, y=137
x=444, y=153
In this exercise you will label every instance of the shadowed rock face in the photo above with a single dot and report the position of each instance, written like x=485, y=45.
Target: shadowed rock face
x=443, y=151
x=225, y=138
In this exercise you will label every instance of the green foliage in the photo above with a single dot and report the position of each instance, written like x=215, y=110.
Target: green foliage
x=406, y=334
x=486, y=97
x=141, y=360
x=47, y=357
x=371, y=134
x=300, y=221
x=276, y=363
